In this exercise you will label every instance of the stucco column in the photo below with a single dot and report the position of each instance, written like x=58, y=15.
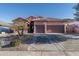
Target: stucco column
x=65, y=28
x=34, y=28
x=45, y=27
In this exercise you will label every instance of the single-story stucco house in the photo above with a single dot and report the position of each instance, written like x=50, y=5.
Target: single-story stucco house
x=40, y=24
x=50, y=25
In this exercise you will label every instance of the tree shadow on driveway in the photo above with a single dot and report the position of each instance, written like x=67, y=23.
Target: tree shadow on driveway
x=45, y=39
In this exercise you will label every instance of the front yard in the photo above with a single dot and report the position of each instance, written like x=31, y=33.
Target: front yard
x=49, y=44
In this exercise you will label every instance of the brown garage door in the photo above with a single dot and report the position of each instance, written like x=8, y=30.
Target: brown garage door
x=40, y=29
x=55, y=28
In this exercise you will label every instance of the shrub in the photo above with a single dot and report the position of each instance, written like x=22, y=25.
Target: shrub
x=15, y=43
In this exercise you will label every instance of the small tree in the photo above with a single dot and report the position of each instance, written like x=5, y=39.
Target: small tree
x=19, y=25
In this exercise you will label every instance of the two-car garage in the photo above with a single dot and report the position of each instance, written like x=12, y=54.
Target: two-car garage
x=41, y=26
x=50, y=29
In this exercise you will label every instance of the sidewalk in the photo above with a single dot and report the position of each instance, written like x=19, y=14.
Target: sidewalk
x=31, y=53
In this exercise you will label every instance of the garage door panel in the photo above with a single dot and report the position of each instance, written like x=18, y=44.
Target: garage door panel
x=40, y=29
x=55, y=28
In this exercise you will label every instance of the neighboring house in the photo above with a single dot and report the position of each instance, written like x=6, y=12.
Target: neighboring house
x=75, y=26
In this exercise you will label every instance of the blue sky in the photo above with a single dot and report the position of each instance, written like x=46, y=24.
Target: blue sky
x=8, y=12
